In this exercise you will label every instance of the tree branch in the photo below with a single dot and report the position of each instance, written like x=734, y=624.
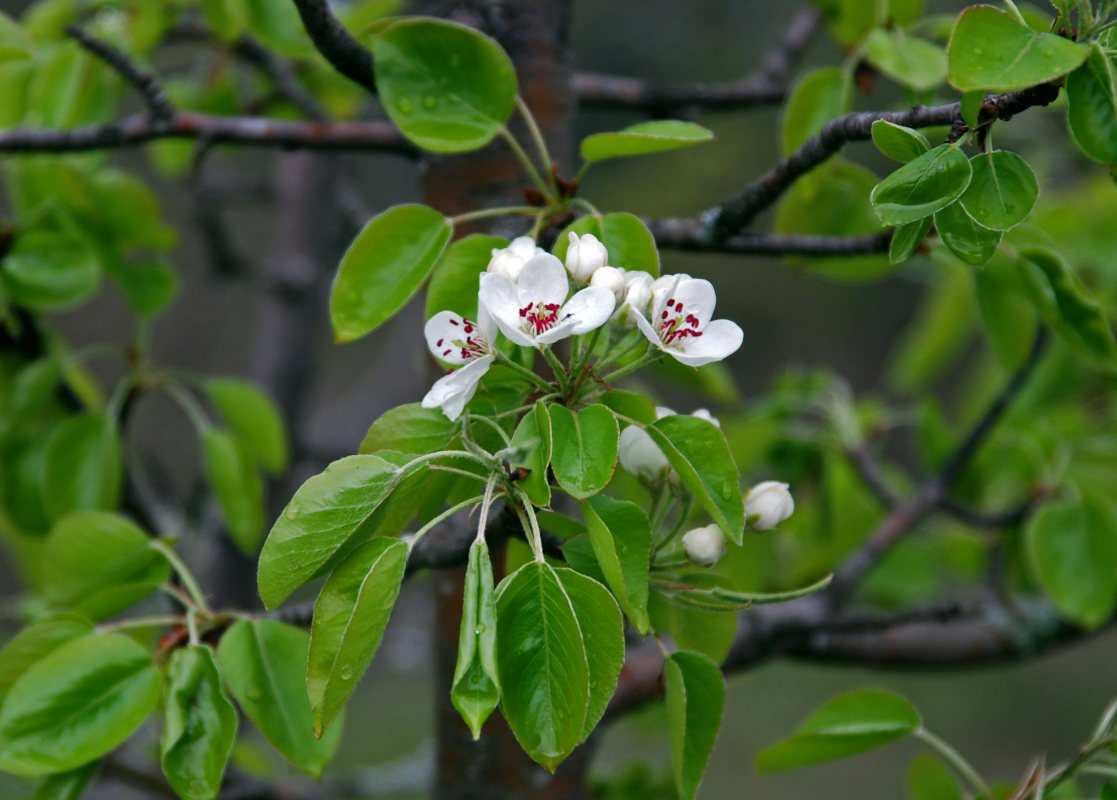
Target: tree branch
x=682, y=233
x=335, y=43
x=158, y=106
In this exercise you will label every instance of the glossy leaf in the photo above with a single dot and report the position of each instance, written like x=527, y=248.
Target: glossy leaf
x=584, y=448
x=237, y=486
x=76, y=704
x=908, y=60
x=907, y=238
x=700, y=629
x=599, y=620
x=253, y=418
x=384, y=266
x=851, y=723
x=409, y=429
x=630, y=404
x=898, y=142
x=533, y=437
x=1092, y=106
x=100, y=564
x=628, y=240
x=699, y=454
x=932, y=181
x=1008, y=317
x=653, y=136
x=991, y=50
x=476, y=688
x=621, y=537
x=1072, y=546
x=263, y=663
x=67, y=785
x=147, y=286
x=350, y=616
x=1002, y=192
x=695, y=703
x=449, y=88
x=454, y=281
x=965, y=238
x=35, y=642
x=818, y=97
x=929, y=779
x=83, y=470
x=541, y=656
x=15, y=44
x=49, y=271
x=199, y=724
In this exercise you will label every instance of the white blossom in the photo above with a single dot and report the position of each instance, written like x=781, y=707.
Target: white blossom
x=584, y=256
x=767, y=505
x=641, y=456
x=508, y=261
x=704, y=546
x=610, y=278
x=460, y=341
x=680, y=322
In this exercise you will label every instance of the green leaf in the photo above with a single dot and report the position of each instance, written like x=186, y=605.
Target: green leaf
x=350, y=616
x=411, y=430
x=84, y=471
x=1072, y=547
x=476, y=689
x=653, y=136
x=991, y=50
x=1092, y=106
x=630, y=404
x=849, y=20
x=544, y=674
x=621, y=537
x=964, y=237
x=235, y=482
x=1008, y=317
x=384, y=266
x=932, y=181
x=326, y=512
x=585, y=448
x=66, y=785
x=15, y=44
x=907, y=238
x=77, y=704
x=49, y=271
x=898, y=142
x=147, y=286
x=453, y=284
x=200, y=724
x=100, y=564
x=851, y=723
x=533, y=437
x=627, y=239
x=695, y=703
x=911, y=62
x=700, y=455
x=818, y=97
x=699, y=628
x=602, y=629
x=28, y=393
x=928, y=779
x=36, y=642
x=449, y=88
x=254, y=419
x=263, y=663
x=971, y=107
x=1002, y=192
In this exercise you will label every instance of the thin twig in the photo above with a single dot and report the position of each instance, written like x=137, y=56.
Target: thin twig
x=871, y=475
x=159, y=107
x=683, y=233
x=335, y=43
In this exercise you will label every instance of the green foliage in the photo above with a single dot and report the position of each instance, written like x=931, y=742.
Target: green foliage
x=621, y=537
x=898, y=142
x=924, y=185
x=695, y=700
x=410, y=430
x=656, y=136
x=588, y=454
x=476, y=689
x=964, y=236
x=928, y=779
x=625, y=236
x=237, y=486
x=1092, y=106
x=1002, y=192
x=817, y=97
x=254, y=420
x=910, y=61
x=453, y=284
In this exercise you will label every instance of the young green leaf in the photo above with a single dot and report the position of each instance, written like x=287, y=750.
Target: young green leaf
x=695, y=628
x=1092, y=106
x=653, y=136
x=15, y=44
x=77, y=704
x=263, y=663
x=544, y=674
x=621, y=537
x=818, y=97
x=697, y=449
x=83, y=470
x=67, y=785
x=147, y=286
x=851, y=723
x=36, y=642
x=1006, y=314
x=627, y=239
x=928, y=779
x=409, y=429
x=910, y=61
x=48, y=270
x=200, y=724
x=384, y=266
x=907, y=238
x=449, y=88
x=237, y=485
x=599, y=620
x=350, y=616
x=970, y=107
x=991, y=50
x=964, y=237
x=1072, y=546
x=585, y=448
x=695, y=703
x=630, y=404
x=922, y=186
x=253, y=418
x=898, y=142
x=533, y=436
x=453, y=283
x=476, y=689
x=1002, y=191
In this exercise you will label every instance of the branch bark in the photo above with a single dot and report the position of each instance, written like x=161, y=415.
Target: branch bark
x=683, y=233
x=335, y=43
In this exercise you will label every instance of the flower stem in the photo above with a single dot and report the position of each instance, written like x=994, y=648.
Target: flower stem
x=532, y=172
x=485, y=213
x=532, y=526
x=561, y=375
x=639, y=363
x=485, y=504
x=505, y=361
x=435, y=521
x=495, y=426
x=540, y=142
x=684, y=514
x=189, y=406
x=956, y=760
x=189, y=582
x=587, y=205
x=155, y=621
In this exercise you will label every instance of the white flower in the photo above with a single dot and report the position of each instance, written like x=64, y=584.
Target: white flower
x=680, y=322
x=610, y=278
x=767, y=505
x=534, y=311
x=584, y=256
x=703, y=413
x=641, y=456
x=638, y=292
x=510, y=260
x=456, y=340
x=704, y=546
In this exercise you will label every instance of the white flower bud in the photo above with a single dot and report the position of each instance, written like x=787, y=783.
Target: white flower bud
x=704, y=546
x=584, y=256
x=638, y=292
x=705, y=414
x=508, y=261
x=610, y=278
x=767, y=505
x=641, y=456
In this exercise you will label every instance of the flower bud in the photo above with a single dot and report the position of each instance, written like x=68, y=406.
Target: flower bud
x=508, y=261
x=584, y=256
x=641, y=456
x=767, y=505
x=610, y=278
x=705, y=414
x=704, y=546
x=638, y=291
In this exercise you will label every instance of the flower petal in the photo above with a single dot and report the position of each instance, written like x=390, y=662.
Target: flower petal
x=451, y=392
x=591, y=308
x=719, y=339
x=694, y=296
x=648, y=331
x=441, y=331
x=499, y=298
x=542, y=280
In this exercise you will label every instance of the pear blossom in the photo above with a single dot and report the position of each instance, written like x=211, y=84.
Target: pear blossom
x=460, y=341
x=508, y=261
x=705, y=545
x=584, y=256
x=612, y=279
x=641, y=456
x=637, y=295
x=767, y=505
x=680, y=323
x=534, y=311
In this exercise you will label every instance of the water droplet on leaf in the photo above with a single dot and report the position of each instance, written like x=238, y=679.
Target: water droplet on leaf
x=254, y=693
x=429, y=101
x=346, y=672
x=405, y=104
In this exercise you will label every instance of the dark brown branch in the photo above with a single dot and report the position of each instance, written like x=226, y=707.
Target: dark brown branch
x=682, y=233
x=158, y=106
x=1003, y=519
x=279, y=70
x=721, y=222
x=335, y=43
x=871, y=475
